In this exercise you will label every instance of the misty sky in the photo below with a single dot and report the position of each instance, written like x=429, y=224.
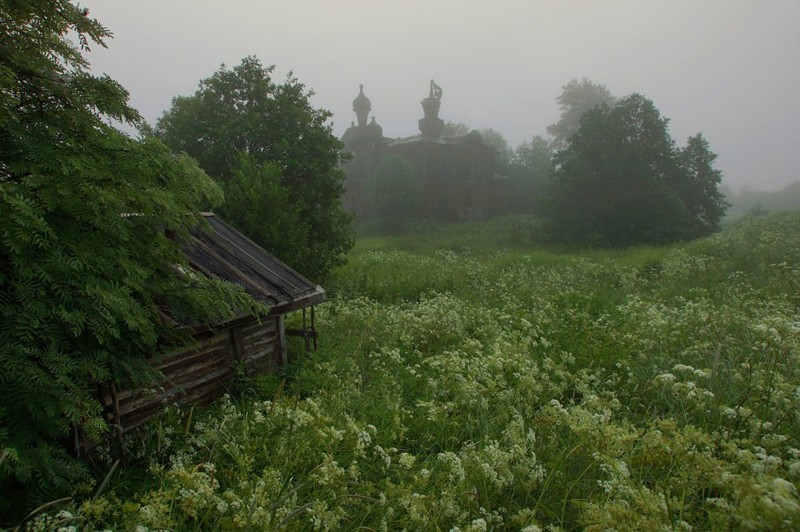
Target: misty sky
x=728, y=68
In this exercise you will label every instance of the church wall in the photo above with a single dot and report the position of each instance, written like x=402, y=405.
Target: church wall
x=454, y=171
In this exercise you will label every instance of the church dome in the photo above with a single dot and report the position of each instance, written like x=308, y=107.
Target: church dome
x=362, y=106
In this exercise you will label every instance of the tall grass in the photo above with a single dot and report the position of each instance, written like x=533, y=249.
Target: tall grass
x=466, y=385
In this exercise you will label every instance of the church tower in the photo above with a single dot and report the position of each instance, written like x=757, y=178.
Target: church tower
x=431, y=126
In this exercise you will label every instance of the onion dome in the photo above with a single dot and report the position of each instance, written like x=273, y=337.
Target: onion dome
x=362, y=106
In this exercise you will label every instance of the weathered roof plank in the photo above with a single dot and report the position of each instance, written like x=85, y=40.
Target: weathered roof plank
x=225, y=253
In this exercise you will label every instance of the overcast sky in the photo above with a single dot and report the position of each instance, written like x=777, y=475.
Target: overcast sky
x=728, y=68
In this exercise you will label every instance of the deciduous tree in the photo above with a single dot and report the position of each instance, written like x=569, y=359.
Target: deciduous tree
x=700, y=190
x=535, y=155
x=496, y=140
x=242, y=110
x=85, y=266
x=622, y=181
x=493, y=138
x=251, y=196
x=576, y=98
x=455, y=128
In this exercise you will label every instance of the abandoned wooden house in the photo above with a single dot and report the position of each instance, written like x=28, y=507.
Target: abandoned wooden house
x=204, y=372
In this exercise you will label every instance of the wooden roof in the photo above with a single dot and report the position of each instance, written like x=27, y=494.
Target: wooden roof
x=225, y=253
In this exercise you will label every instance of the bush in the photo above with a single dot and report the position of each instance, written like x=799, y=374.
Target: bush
x=85, y=265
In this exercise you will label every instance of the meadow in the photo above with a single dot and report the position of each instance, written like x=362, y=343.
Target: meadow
x=468, y=380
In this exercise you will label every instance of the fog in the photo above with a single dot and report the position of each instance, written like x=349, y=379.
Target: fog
x=728, y=68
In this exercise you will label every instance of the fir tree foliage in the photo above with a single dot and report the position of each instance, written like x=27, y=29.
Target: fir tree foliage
x=86, y=271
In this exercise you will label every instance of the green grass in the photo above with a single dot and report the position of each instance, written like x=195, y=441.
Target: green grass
x=466, y=378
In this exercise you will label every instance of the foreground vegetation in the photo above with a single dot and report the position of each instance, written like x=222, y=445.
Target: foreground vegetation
x=469, y=389
x=87, y=270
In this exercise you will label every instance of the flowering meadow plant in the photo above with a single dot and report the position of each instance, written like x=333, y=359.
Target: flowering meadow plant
x=511, y=390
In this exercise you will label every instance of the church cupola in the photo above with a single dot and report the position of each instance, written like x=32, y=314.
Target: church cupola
x=362, y=106
x=431, y=126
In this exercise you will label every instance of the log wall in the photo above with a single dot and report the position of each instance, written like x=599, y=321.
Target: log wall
x=198, y=375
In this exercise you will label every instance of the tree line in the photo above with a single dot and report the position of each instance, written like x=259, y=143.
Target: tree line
x=609, y=175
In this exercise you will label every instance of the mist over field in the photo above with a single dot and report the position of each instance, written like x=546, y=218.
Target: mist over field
x=726, y=68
